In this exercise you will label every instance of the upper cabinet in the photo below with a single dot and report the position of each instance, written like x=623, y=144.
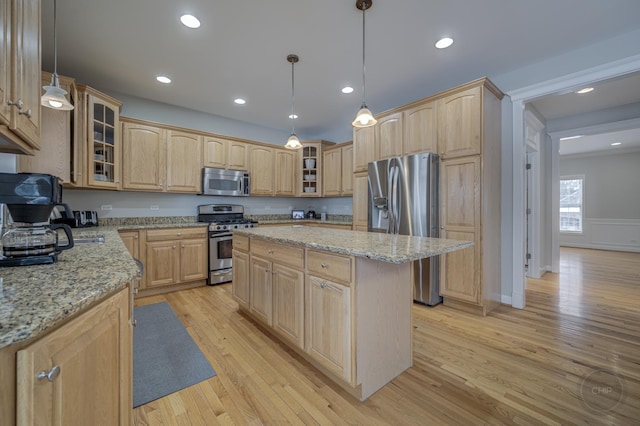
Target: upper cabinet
x=388, y=136
x=284, y=173
x=420, y=129
x=225, y=153
x=364, y=148
x=20, y=76
x=309, y=171
x=261, y=170
x=101, y=138
x=459, y=123
x=337, y=171
x=184, y=162
x=58, y=130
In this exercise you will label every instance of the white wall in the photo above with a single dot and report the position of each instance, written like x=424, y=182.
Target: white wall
x=611, y=200
x=8, y=163
x=139, y=204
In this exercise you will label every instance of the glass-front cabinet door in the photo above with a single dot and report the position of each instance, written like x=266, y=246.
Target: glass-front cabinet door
x=103, y=140
x=310, y=165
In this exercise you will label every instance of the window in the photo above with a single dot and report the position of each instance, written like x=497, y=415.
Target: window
x=571, y=204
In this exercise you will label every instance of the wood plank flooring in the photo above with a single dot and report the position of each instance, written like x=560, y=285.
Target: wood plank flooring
x=571, y=357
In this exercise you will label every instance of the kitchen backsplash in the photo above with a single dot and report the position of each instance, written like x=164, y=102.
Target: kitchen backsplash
x=141, y=221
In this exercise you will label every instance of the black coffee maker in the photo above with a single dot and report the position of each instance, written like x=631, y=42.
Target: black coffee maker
x=30, y=239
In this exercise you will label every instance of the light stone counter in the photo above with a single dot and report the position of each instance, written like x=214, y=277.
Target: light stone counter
x=383, y=247
x=36, y=298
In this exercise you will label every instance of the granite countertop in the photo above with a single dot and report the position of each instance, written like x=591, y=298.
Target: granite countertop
x=303, y=221
x=376, y=246
x=35, y=298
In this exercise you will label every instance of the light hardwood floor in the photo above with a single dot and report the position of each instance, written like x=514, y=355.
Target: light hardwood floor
x=571, y=357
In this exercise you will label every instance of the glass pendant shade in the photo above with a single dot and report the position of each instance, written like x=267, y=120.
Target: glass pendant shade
x=364, y=118
x=293, y=142
x=55, y=96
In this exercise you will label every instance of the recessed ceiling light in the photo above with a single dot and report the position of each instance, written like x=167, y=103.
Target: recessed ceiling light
x=293, y=116
x=585, y=90
x=443, y=43
x=347, y=90
x=190, y=21
x=240, y=101
x=616, y=143
x=163, y=79
x=571, y=137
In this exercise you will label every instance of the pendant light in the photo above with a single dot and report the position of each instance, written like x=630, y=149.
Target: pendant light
x=55, y=96
x=364, y=118
x=293, y=142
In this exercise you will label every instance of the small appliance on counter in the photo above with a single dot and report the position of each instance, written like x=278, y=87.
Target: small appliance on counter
x=311, y=214
x=85, y=218
x=61, y=213
x=30, y=239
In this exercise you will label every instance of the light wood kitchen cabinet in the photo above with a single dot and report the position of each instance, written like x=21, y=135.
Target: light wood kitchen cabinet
x=184, y=162
x=420, y=129
x=470, y=146
x=261, y=298
x=173, y=257
x=337, y=167
x=360, y=201
x=143, y=157
x=388, y=134
x=80, y=373
x=460, y=123
x=58, y=137
x=364, y=148
x=225, y=153
x=328, y=325
x=241, y=289
x=309, y=171
x=261, y=170
x=284, y=161
x=131, y=240
x=20, y=76
x=101, y=138
x=288, y=303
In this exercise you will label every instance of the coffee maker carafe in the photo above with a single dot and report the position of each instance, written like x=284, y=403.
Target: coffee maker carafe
x=30, y=239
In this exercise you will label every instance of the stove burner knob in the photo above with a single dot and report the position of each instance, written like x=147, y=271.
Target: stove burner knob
x=217, y=226
x=224, y=226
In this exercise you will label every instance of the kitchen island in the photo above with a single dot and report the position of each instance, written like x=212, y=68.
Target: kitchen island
x=341, y=299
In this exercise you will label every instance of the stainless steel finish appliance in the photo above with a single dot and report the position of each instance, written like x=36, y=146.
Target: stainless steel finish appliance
x=232, y=183
x=222, y=219
x=403, y=199
x=30, y=239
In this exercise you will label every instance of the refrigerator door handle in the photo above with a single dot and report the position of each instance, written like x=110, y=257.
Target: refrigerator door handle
x=394, y=200
x=397, y=205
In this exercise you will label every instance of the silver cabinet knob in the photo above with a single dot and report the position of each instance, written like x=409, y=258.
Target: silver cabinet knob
x=324, y=265
x=323, y=285
x=270, y=251
x=49, y=375
x=173, y=247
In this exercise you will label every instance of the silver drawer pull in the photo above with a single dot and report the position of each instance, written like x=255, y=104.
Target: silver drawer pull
x=323, y=285
x=50, y=375
x=324, y=265
x=270, y=251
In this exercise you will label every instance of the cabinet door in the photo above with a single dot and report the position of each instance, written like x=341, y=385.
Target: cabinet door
x=5, y=52
x=420, y=129
x=360, y=199
x=260, y=299
x=162, y=263
x=184, y=162
x=284, y=172
x=364, y=148
x=94, y=355
x=194, y=260
x=261, y=170
x=131, y=240
x=25, y=70
x=332, y=172
x=459, y=123
x=241, y=285
x=143, y=157
x=215, y=152
x=328, y=325
x=460, y=219
x=389, y=136
x=237, y=155
x=103, y=139
x=347, y=170
x=288, y=303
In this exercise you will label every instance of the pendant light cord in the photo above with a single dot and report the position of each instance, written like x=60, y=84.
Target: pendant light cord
x=55, y=39
x=363, y=62
x=293, y=101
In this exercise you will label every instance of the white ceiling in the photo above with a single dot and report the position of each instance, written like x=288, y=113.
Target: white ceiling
x=241, y=49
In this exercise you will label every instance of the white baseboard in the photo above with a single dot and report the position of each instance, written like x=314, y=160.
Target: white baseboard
x=606, y=234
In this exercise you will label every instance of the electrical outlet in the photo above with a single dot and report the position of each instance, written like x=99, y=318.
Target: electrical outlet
x=154, y=207
x=106, y=207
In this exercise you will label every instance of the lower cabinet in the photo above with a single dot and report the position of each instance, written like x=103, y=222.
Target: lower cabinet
x=241, y=285
x=288, y=303
x=175, y=256
x=81, y=373
x=328, y=325
x=260, y=302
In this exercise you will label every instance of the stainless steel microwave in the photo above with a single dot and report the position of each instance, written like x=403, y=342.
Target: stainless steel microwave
x=232, y=183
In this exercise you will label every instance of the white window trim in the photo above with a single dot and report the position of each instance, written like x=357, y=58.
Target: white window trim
x=582, y=205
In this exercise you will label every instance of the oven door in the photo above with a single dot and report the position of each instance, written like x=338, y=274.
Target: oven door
x=220, y=252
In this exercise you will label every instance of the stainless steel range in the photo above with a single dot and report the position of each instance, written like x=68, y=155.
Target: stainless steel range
x=222, y=220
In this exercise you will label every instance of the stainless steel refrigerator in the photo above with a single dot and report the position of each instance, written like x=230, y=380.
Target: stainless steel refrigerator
x=403, y=199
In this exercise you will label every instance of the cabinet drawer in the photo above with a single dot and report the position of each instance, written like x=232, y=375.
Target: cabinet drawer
x=330, y=266
x=175, y=233
x=288, y=255
x=241, y=242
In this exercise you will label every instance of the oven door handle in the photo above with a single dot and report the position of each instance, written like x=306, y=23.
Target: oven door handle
x=220, y=237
